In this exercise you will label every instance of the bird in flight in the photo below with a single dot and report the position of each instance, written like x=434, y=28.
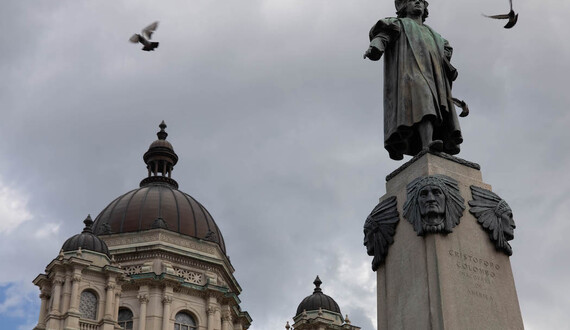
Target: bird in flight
x=511, y=16
x=145, y=37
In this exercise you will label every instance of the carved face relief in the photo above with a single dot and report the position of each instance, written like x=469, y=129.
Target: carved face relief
x=434, y=204
x=379, y=229
x=431, y=201
x=495, y=216
x=508, y=225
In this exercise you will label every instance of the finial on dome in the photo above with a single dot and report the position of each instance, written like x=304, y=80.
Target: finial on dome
x=88, y=224
x=317, y=282
x=162, y=134
x=346, y=320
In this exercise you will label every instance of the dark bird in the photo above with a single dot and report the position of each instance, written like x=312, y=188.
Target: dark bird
x=145, y=37
x=511, y=16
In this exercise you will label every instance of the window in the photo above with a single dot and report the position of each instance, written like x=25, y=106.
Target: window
x=184, y=321
x=125, y=318
x=88, y=305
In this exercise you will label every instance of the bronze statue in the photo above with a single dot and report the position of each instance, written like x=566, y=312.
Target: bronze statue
x=434, y=204
x=419, y=111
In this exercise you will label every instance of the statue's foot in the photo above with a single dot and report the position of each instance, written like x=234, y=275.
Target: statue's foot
x=436, y=145
x=396, y=155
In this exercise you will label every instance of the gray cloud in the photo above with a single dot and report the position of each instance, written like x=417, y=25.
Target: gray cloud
x=277, y=122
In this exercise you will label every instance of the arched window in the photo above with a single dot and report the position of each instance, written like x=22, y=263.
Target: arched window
x=125, y=318
x=88, y=305
x=184, y=321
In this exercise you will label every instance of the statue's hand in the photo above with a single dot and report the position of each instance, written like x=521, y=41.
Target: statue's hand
x=372, y=53
x=367, y=53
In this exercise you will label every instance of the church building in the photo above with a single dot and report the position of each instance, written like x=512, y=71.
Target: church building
x=153, y=259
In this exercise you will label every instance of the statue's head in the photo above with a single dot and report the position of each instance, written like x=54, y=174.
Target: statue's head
x=505, y=214
x=434, y=204
x=431, y=202
x=404, y=7
x=495, y=215
x=379, y=229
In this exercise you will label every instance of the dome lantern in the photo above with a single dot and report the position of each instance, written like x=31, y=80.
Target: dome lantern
x=160, y=160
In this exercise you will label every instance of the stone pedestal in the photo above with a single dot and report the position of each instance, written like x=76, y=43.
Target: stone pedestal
x=444, y=281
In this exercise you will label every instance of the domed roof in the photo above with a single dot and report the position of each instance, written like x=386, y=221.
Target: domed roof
x=86, y=240
x=318, y=300
x=158, y=203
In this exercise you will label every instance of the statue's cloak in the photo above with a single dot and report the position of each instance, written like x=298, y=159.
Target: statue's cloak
x=417, y=84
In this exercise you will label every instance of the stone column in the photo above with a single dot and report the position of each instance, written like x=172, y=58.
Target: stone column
x=66, y=293
x=226, y=318
x=55, y=308
x=143, y=299
x=166, y=302
x=211, y=311
x=109, y=300
x=44, y=296
x=74, y=300
x=117, y=303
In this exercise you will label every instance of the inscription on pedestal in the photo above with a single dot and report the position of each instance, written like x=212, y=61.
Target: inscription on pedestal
x=479, y=272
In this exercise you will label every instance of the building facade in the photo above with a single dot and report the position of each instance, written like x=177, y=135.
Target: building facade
x=153, y=259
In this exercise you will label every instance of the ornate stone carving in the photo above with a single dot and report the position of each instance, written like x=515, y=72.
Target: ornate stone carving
x=76, y=278
x=227, y=316
x=211, y=310
x=434, y=204
x=495, y=216
x=379, y=229
x=143, y=298
x=131, y=270
x=189, y=276
x=167, y=299
x=58, y=280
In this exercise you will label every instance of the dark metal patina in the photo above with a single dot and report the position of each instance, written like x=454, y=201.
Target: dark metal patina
x=434, y=204
x=495, y=216
x=379, y=229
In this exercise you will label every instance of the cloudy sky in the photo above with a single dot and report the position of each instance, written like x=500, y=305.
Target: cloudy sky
x=277, y=121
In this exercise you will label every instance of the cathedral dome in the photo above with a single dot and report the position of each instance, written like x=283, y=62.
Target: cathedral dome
x=158, y=203
x=86, y=240
x=318, y=300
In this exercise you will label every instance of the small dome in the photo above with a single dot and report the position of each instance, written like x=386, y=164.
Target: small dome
x=318, y=300
x=86, y=240
x=158, y=203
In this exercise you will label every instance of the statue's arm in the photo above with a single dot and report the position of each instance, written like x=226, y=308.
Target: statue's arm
x=381, y=35
x=376, y=48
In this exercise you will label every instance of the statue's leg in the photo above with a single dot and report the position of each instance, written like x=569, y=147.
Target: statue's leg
x=425, y=129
